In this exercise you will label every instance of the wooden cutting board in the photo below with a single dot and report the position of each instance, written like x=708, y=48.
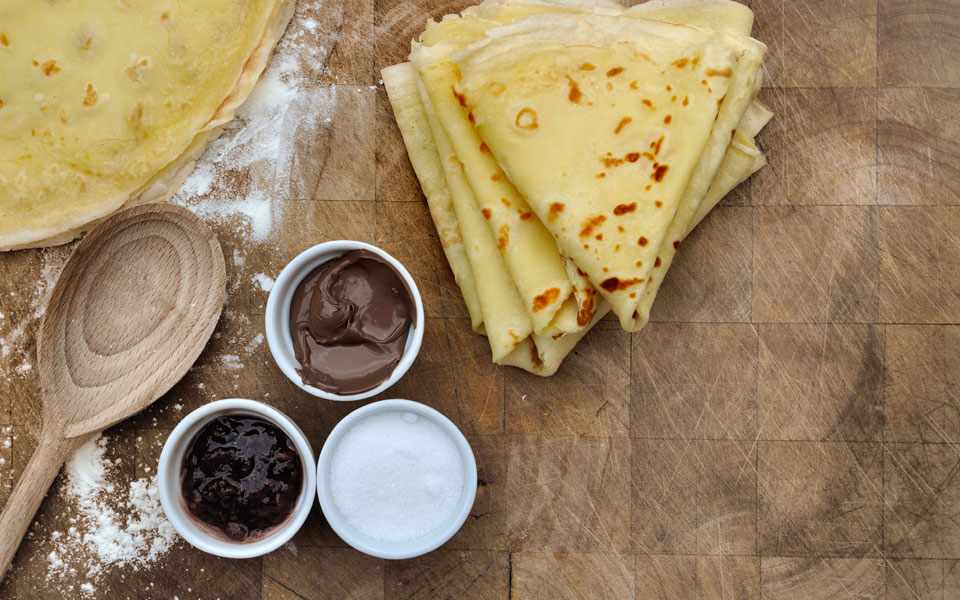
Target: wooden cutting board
x=788, y=426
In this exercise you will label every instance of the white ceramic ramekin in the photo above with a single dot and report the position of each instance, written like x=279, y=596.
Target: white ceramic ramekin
x=396, y=550
x=278, y=314
x=171, y=466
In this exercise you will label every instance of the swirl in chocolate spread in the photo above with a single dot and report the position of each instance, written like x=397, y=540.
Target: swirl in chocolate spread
x=350, y=318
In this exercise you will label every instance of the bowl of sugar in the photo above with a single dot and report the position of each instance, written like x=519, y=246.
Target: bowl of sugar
x=396, y=479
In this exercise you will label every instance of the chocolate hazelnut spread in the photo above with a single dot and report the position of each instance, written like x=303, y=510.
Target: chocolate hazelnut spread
x=241, y=477
x=350, y=318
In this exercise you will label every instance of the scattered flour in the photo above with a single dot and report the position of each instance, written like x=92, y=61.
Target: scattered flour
x=115, y=526
x=6, y=473
x=263, y=281
x=13, y=336
x=243, y=175
x=254, y=343
x=232, y=361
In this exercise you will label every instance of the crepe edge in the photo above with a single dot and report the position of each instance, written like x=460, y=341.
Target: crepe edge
x=169, y=178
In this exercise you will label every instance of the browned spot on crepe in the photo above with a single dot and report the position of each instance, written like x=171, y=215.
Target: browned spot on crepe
x=50, y=67
x=545, y=299
x=613, y=284
x=91, y=95
x=575, y=94
x=586, y=309
x=659, y=171
x=527, y=119
x=590, y=224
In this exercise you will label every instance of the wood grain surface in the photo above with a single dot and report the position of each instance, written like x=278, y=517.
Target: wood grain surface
x=786, y=427
x=130, y=313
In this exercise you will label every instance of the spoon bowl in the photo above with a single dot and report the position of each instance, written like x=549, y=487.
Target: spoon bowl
x=130, y=313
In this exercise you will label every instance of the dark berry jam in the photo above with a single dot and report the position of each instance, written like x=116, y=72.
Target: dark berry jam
x=241, y=476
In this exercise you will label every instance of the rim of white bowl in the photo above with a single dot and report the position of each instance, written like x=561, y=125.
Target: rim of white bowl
x=277, y=317
x=171, y=464
x=397, y=550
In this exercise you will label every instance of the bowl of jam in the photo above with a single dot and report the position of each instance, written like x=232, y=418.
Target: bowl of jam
x=344, y=320
x=236, y=478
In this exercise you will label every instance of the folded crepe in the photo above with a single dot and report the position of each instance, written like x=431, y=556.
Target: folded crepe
x=109, y=107
x=741, y=160
x=501, y=314
x=401, y=85
x=556, y=296
x=720, y=15
x=536, y=353
x=727, y=159
x=599, y=122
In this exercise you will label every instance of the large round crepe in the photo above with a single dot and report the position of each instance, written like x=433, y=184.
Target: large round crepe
x=105, y=102
x=600, y=122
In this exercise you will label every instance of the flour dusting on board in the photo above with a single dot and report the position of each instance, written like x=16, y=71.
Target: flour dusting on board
x=6, y=462
x=16, y=356
x=115, y=525
x=263, y=281
x=243, y=176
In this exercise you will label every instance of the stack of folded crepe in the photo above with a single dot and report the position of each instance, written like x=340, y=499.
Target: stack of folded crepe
x=566, y=148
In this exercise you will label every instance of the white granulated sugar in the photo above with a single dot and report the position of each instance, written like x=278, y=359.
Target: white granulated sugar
x=396, y=476
x=116, y=526
x=263, y=281
x=246, y=173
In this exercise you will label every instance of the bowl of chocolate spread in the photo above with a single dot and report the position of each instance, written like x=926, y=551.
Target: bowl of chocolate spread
x=236, y=478
x=344, y=320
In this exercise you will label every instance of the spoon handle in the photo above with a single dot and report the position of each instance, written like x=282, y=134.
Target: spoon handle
x=27, y=496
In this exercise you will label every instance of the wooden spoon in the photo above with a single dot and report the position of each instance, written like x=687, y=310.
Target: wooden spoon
x=131, y=312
